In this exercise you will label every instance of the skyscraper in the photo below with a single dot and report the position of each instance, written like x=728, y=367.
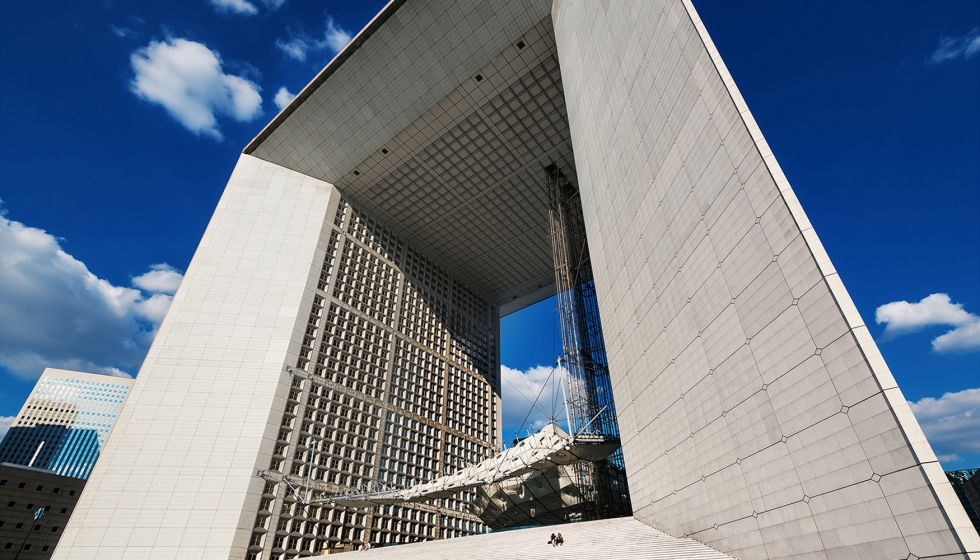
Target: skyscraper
x=755, y=411
x=65, y=422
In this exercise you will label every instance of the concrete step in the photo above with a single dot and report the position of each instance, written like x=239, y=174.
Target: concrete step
x=609, y=539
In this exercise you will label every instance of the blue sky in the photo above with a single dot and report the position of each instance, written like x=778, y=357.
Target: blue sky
x=121, y=121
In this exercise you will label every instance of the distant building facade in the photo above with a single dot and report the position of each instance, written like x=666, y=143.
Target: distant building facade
x=65, y=422
x=966, y=483
x=24, y=491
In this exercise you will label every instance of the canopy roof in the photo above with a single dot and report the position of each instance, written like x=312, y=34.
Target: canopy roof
x=439, y=119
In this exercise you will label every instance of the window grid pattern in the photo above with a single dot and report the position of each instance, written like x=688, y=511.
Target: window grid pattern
x=469, y=410
x=65, y=423
x=417, y=381
x=427, y=273
x=394, y=523
x=342, y=209
x=328, y=263
x=366, y=283
x=409, y=451
x=354, y=352
x=422, y=317
x=470, y=344
x=375, y=236
x=375, y=410
x=306, y=351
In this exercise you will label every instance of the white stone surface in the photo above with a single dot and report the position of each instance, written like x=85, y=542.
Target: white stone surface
x=757, y=413
x=609, y=539
x=176, y=479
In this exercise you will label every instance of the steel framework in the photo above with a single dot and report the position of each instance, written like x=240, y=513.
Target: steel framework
x=590, y=399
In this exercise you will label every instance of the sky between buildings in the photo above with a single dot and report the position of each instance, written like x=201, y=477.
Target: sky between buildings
x=120, y=122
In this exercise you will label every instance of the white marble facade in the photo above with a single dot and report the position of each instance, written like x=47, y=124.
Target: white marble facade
x=177, y=477
x=757, y=414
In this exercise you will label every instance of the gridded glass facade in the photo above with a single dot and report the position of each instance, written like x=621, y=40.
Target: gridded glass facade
x=405, y=388
x=65, y=422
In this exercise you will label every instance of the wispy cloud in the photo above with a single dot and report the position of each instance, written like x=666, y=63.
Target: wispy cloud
x=5, y=423
x=519, y=389
x=56, y=313
x=122, y=32
x=186, y=79
x=334, y=37
x=238, y=7
x=951, y=48
x=162, y=279
x=902, y=317
x=283, y=97
x=951, y=423
x=299, y=45
x=295, y=47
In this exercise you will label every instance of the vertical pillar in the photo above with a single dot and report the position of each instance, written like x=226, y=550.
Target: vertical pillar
x=177, y=476
x=756, y=412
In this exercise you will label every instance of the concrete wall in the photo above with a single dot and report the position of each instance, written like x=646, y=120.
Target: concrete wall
x=757, y=414
x=177, y=477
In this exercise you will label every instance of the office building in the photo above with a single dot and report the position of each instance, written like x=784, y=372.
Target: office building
x=966, y=484
x=23, y=492
x=65, y=422
x=756, y=413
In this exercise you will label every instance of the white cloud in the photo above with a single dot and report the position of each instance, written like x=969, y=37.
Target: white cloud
x=950, y=48
x=298, y=46
x=273, y=5
x=962, y=339
x=162, y=278
x=187, y=80
x=334, y=37
x=56, y=313
x=902, y=317
x=520, y=388
x=283, y=97
x=5, y=423
x=294, y=48
x=951, y=423
x=240, y=7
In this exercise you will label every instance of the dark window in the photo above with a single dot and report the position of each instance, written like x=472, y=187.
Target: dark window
x=56, y=490
x=30, y=506
x=1, y=523
x=37, y=527
x=3, y=482
x=22, y=485
x=64, y=510
x=8, y=545
x=45, y=548
x=72, y=493
x=19, y=526
x=11, y=504
x=54, y=529
x=27, y=547
x=39, y=488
